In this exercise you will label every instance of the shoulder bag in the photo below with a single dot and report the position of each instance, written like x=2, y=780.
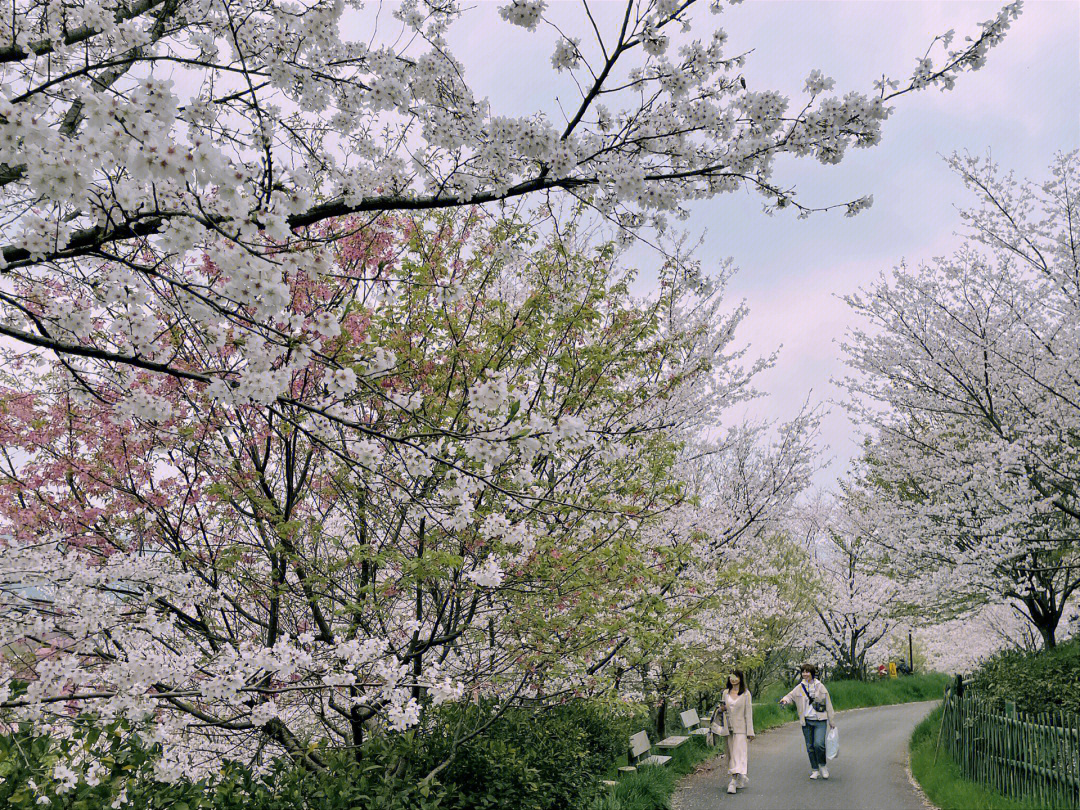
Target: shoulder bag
x=718, y=722
x=819, y=705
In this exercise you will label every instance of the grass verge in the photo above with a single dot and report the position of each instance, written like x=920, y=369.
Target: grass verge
x=650, y=788
x=943, y=782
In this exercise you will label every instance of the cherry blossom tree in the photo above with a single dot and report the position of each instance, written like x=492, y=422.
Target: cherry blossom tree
x=137, y=138
x=974, y=455
x=857, y=602
x=984, y=631
x=315, y=412
x=724, y=581
x=464, y=513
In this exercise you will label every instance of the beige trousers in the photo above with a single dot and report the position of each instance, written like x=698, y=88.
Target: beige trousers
x=737, y=754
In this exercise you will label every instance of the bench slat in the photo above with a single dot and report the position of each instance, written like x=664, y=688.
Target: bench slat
x=639, y=744
x=672, y=742
x=690, y=718
x=657, y=760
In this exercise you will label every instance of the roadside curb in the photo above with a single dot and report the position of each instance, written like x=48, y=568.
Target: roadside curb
x=929, y=805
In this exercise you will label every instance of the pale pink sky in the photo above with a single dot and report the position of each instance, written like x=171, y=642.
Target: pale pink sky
x=1021, y=107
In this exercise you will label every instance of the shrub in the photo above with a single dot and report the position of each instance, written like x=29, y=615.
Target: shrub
x=545, y=760
x=370, y=784
x=124, y=770
x=1036, y=681
x=86, y=770
x=548, y=759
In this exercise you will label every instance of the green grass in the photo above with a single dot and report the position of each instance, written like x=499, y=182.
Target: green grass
x=943, y=782
x=650, y=788
x=858, y=694
x=886, y=692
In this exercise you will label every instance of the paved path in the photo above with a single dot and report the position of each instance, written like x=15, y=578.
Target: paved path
x=869, y=774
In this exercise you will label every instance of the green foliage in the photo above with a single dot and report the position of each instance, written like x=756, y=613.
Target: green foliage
x=1036, y=681
x=346, y=785
x=547, y=760
x=944, y=784
x=123, y=769
x=33, y=765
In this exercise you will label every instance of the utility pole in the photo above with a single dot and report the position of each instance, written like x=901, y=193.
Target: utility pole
x=910, y=657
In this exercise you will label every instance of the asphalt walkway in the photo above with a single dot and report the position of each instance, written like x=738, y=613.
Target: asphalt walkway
x=869, y=774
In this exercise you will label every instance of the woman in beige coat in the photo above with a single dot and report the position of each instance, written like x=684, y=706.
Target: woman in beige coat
x=739, y=707
x=815, y=712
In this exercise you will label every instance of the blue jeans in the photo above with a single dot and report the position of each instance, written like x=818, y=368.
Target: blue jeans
x=814, y=734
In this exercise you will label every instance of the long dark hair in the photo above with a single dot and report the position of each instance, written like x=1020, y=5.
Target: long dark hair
x=742, y=681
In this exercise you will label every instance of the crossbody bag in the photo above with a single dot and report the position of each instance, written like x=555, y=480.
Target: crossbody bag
x=819, y=705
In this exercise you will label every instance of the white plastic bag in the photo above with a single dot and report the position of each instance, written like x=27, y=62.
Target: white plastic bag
x=832, y=743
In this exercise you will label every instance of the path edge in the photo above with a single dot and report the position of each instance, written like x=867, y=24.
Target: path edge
x=929, y=805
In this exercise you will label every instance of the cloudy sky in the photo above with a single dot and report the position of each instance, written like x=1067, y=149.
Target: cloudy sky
x=1021, y=108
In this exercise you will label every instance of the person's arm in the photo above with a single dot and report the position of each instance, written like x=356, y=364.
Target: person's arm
x=790, y=696
x=749, y=716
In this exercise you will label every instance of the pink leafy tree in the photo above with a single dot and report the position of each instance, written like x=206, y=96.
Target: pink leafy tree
x=451, y=503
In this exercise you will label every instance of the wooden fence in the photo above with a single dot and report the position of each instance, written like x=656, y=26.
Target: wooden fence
x=1020, y=754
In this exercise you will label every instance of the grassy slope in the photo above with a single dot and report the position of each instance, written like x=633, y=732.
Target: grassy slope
x=651, y=788
x=943, y=782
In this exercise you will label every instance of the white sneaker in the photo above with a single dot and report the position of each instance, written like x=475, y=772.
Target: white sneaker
x=824, y=772
x=731, y=786
x=813, y=774
x=744, y=780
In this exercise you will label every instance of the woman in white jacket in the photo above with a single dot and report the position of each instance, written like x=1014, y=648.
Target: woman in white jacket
x=815, y=711
x=739, y=708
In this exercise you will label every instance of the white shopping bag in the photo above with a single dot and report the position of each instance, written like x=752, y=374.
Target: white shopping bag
x=832, y=743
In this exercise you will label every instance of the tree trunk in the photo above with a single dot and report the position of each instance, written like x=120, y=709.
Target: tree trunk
x=1045, y=615
x=661, y=710
x=1047, y=631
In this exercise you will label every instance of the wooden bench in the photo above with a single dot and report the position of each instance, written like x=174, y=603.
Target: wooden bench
x=692, y=723
x=641, y=754
x=672, y=742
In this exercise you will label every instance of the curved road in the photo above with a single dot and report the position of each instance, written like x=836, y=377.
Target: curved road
x=869, y=774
